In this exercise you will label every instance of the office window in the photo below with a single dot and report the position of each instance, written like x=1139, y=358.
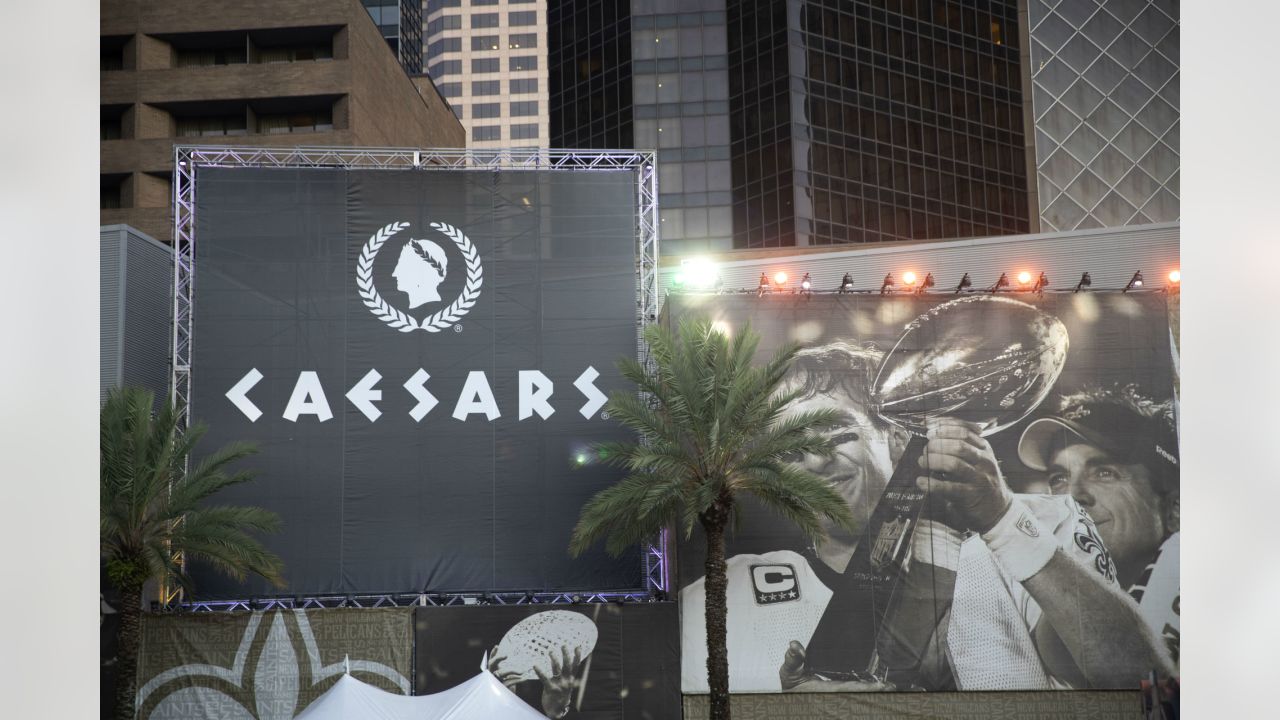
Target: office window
x=476, y=3
x=524, y=132
x=459, y=111
x=444, y=45
x=523, y=40
x=486, y=87
x=522, y=62
x=484, y=20
x=522, y=109
x=300, y=122
x=444, y=22
x=295, y=53
x=211, y=125
x=112, y=122
x=111, y=192
x=486, y=132
x=524, y=85
x=445, y=67
x=486, y=65
x=110, y=56
x=484, y=42
x=202, y=57
x=433, y=5
x=449, y=89
x=484, y=111
x=516, y=19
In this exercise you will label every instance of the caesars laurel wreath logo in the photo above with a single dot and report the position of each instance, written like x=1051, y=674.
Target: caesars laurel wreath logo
x=435, y=265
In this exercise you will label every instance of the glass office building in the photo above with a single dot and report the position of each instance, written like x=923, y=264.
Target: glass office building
x=852, y=121
x=401, y=24
x=847, y=121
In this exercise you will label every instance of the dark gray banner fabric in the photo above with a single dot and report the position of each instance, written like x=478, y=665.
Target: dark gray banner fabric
x=421, y=358
x=622, y=659
x=1070, y=404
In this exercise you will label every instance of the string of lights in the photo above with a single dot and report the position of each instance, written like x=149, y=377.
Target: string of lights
x=701, y=276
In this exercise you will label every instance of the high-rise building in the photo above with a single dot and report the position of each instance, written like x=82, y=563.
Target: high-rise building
x=1104, y=98
x=489, y=58
x=219, y=72
x=401, y=24
x=848, y=121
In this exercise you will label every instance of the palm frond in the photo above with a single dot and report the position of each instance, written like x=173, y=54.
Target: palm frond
x=145, y=489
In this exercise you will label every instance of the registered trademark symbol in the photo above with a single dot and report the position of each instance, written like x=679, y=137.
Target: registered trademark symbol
x=604, y=415
x=457, y=328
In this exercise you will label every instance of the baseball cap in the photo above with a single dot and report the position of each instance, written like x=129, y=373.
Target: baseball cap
x=1120, y=431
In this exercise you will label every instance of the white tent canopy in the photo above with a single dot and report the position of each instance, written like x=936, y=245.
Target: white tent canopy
x=483, y=697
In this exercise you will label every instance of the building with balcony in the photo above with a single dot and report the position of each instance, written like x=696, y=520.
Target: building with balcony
x=230, y=72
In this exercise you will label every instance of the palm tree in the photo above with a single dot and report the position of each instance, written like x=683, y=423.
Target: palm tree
x=153, y=508
x=712, y=428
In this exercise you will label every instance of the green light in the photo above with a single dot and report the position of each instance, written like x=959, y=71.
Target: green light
x=581, y=458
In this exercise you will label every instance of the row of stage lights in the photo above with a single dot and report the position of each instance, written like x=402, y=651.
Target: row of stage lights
x=702, y=275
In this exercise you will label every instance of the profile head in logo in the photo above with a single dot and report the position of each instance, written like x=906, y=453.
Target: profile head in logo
x=420, y=270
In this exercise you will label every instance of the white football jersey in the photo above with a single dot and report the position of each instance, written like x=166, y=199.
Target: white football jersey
x=989, y=637
x=1158, y=594
x=773, y=599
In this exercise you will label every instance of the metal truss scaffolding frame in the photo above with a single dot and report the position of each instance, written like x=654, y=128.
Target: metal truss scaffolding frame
x=189, y=159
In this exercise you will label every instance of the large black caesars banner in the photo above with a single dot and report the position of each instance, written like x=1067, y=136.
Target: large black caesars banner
x=595, y=661
x=422, y=358
x=1011, y=465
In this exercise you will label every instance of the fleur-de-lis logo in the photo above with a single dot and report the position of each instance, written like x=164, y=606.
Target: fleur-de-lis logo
x=276, y=665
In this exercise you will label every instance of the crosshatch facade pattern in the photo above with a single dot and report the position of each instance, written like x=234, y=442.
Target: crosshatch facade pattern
x=1106, y=106
x=873, y=121
x=589, y=53
x=486, y=53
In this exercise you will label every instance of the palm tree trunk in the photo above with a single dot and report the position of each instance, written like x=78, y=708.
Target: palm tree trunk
x=716, y=584
x=130, y=633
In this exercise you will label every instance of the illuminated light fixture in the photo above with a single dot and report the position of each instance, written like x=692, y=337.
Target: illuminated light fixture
x=1003, y=282
x=1024, y=278
x=1175, y=277
x=908, y=278
x=965, y=283
x=1041, y=283
x=925, y=284
x=1134, y=282
x=805, y=282
x=699, y=272
x=1085, y=281
x=763, y=287
x=580, y=459
x=886, y=287
x=846, y=284
x=780, y=278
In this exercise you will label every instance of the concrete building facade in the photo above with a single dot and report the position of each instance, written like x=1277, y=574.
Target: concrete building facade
x=489, y=58
x=235, y=72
